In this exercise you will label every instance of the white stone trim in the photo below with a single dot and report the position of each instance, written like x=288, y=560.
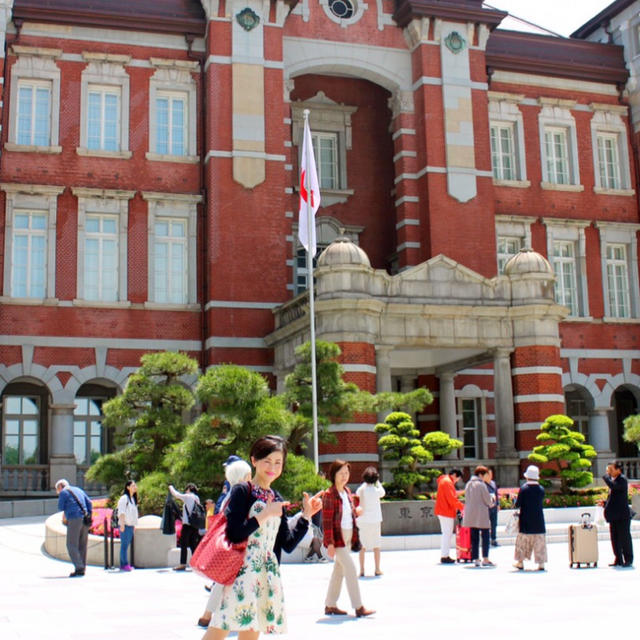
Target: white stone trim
x=109, y=343
x=527, y=371
x=31, y=197
x=353, y=426
x=359, y=368
x=350, y=457
x=554, y=82
x=555, y=113
x=359, y=9
x=237, y=304
x=607, y=120
x=235, y=343
x=539, y=397
x=408, y=222
x=505, y=111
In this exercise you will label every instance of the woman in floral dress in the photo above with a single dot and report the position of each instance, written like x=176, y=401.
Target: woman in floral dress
x=254, y=603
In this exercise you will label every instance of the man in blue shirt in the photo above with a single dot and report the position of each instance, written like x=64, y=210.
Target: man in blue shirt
x=74, y=502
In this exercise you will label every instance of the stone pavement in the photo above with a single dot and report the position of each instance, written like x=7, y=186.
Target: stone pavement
x=416, y=598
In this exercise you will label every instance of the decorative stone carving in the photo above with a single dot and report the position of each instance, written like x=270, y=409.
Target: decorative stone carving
x=248, y=19
x=401, y=102
x=455, y=42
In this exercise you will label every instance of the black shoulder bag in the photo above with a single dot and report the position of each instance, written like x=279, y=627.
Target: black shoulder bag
x=86, y=516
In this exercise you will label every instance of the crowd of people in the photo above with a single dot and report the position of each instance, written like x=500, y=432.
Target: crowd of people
x=333, y=523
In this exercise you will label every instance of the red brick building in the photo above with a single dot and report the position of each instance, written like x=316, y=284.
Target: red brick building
x=148, y=181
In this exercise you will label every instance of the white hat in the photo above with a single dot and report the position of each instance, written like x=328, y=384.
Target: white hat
x=532, y=472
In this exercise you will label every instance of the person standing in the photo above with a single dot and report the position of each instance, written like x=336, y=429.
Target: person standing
x=127, y=521
x=189, y=535
x=446, y=507
x=476, y=514
x=617, y=514
x=254, y=603
x=340, y=537
x=226, y=487
x=75, y=503
x=493, y=511
x=369, y=493
x=531, y=534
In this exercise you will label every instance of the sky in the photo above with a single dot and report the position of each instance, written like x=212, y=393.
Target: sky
x=560, y=16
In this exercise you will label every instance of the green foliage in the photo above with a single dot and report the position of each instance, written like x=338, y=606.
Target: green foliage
x=632, y=429
x=152, y=492
x=299, y=475
x=146, y=418
x=401, y=444
x=565, y=451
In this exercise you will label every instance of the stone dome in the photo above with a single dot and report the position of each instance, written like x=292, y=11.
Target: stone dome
x=527, y=261
x=343, y=251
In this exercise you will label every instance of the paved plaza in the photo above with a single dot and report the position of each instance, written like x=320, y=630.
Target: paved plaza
x=416, y=598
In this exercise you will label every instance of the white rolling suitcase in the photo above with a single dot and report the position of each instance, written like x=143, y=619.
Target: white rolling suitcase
x=583, y=543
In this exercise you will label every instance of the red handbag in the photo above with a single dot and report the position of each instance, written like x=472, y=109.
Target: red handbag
x=215, y=557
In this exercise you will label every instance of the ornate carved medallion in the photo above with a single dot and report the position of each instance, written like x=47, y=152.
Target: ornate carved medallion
x=455, y=42
x=248, y=19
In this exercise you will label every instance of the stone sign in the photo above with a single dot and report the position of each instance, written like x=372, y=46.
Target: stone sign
x=406, y=517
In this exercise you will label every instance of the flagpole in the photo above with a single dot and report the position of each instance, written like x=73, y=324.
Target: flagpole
x=311, y=234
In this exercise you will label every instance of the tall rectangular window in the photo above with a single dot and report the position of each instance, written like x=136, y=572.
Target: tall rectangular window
x=170, y=257
x=508, y=246
x=34, y=113
x=608, y=160
x=171, y=124
x=88, y=443
x=21, y=429
x=325, y=148
x=557, y=155
x=564, y=266
x=101, y=258
x=29, y=256
x=103, y=118
x=471, y=409
x=618, y=281
x=503, y=157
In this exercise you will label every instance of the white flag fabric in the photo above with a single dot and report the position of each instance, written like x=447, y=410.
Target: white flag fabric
x=309, y=193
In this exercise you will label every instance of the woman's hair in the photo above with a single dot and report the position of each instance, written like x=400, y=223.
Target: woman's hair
x=132, y=496
x=336, y=465
x=370, y=475
x=236, y=472
x=191, y=487
x=480, y=470
x=266, y=445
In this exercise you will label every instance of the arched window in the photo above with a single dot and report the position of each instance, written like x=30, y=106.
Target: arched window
x=90, y=439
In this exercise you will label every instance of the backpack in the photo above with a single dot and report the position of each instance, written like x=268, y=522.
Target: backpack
x=198, y=516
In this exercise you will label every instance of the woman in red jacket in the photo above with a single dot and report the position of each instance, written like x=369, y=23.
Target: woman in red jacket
x=447, y=504
x=340, y=537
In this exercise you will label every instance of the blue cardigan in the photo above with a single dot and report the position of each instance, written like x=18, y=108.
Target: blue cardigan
x=530, y=504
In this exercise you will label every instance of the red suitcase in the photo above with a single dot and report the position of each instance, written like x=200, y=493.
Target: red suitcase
x=463, y=544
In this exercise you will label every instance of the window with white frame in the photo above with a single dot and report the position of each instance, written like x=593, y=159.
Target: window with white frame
x=89, y=441
x=471, y=427
x=609, y=138
x=21, y=430
x=330, y=125
x=620, y=279
x=34, y=101
x=564, y=266
x=170, y=253
x=34, y=113
x=325, y=150
x=507, y=248
x=558, y=146
x=29, y=257
x=172, y=111
x=172, y=221
x=503, y=157
x=103, y=118
x=104, y=127
x=101, y=258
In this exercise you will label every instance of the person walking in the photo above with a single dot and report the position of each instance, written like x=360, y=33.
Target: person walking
x=127, y=521
x=369, y=522
x=189, y=535
x=75, y=504
x=531, y=534
x=446, y=507
x=493, y=511
x=234, y=472
x=254, y=603
x=617, y=514
x=476, y=514
x=340, y=537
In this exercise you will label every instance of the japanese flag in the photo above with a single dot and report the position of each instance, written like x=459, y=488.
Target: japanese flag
x=309, y=193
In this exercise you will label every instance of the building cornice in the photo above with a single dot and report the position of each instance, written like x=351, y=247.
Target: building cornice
x=455, y=10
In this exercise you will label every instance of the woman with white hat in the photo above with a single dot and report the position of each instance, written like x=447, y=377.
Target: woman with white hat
x=531, y=537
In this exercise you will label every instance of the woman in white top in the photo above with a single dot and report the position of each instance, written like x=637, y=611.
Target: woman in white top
x=189, y=536
x=369, y=522
x=127, y=520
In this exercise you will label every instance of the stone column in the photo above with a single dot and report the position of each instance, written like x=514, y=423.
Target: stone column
x=600, y=437
x=62, y=461
x=383, y=373
x=448, y=422
x=507, y=459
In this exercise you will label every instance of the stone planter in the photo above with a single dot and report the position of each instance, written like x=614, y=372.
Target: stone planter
x=407, y=517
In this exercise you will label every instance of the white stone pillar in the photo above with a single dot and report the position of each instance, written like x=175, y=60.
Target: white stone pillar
x=448, y=422
x=507, y=460
x=62, y=461
x=600, y=438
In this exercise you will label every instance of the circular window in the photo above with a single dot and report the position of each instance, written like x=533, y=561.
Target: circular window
x=342, y=9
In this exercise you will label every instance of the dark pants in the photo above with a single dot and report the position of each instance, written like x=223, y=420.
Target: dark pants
x=620, y=532
x=493, y=519
x=189, y=538
x=475, y=540
x=77, y=536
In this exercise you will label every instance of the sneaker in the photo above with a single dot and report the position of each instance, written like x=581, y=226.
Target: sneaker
x=447, y=560
x=477, y=563
x=488, y=563
x=126, y=567
x=180, y=567
x=308, y=559
x=323, y=560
